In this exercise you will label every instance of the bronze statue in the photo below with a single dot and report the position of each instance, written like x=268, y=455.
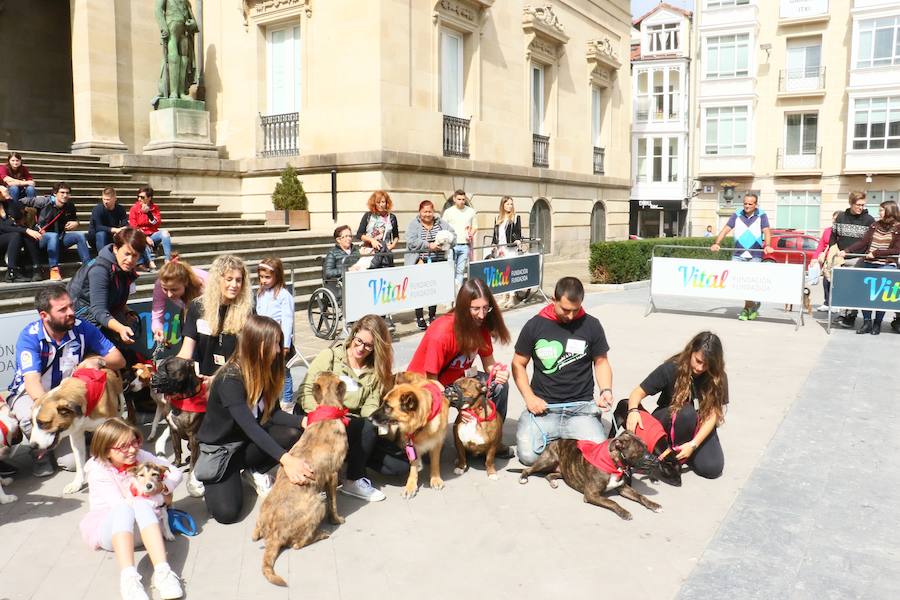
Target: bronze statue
x=177, y=27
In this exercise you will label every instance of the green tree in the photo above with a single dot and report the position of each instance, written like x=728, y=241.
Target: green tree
x=289, y=193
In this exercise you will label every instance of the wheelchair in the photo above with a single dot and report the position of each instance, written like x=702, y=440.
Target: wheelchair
x=324, y=310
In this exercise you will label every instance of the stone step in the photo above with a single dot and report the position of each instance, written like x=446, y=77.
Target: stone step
x=35, y=156
x=86, y=168
x=178, y=230
x=114, y=178
x=168, y=210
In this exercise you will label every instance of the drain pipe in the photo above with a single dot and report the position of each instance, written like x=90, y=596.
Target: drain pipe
x=334, y=195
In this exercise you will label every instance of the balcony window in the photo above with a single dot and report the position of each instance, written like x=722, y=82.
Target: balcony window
x=643, y=97
x=537, y=99
x=451, y=74
x=878, y=43
x=798, y=209
x=725, y=3
x=659, y=96
x=726, y=130
x=801, y=134
x=674, y=94
x=657, y=160
x=728, y=56
x=804, y=60
x=283, y=51
x=596, y=115
x=642, y=160
x=876, y=123
x=673, y=159
x=662, y=38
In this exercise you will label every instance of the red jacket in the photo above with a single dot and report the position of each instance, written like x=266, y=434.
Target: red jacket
x=147, y=222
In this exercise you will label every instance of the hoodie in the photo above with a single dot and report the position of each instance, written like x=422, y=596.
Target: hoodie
x=101, y=288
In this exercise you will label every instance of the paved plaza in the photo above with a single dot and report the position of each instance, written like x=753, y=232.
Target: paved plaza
x=805, y=508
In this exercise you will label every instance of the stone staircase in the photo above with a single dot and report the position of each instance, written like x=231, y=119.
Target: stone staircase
x=199, y=233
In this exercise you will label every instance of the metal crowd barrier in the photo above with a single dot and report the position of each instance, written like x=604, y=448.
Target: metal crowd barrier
x=530, y=242
x=888, y=289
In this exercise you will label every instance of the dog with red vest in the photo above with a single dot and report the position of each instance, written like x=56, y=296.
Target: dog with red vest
x=78, y=404
x=479, y=426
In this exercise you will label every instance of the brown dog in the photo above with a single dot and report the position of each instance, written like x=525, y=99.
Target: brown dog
x=147, y=481
x=78, y=404
x=413, y=415
x=291, y=514
x=566, y=459
x=478, y=427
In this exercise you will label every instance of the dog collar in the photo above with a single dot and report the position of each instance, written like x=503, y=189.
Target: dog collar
x=328, y=413
x=190, y=402
x=599, y=456
x=95, y=380
x=490, y=417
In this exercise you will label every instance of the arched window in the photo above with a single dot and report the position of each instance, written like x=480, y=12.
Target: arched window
x=598, y=223
x=539, y=223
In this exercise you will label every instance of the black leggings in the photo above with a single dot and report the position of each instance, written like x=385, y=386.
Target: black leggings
x=15, y=241
x=368, y=450
x=708, y=459
x=225, y=499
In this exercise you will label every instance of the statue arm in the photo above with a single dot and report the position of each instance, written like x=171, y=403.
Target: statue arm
x=160, y=13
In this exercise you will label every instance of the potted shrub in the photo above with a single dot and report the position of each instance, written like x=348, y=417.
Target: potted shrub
x=290, y=202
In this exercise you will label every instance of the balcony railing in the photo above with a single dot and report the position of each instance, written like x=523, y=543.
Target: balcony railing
x=280, y=134
x=540, y=149
x=598, y=160
x=799, y=162
x=456, y=136
x=807, y=79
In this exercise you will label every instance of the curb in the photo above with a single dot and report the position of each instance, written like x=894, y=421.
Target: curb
x=618, y=287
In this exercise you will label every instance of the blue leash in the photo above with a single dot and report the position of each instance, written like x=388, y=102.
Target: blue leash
x=550, y=408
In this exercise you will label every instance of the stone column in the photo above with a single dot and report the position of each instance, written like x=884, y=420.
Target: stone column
x=95, y=82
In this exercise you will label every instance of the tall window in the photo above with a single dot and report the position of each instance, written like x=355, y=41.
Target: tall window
x=879, y=42
x=596, y=116
x=451, y=73
x=284, y=69
x=643, y=97
x=537, y=99
x=657, y=159
x=724, y=3
x=663, y=38
x=674, y=93
x=801, y=134
x=726, y=130
x=642, y=160
x=798, y=210
x=673, y=159
x=876, y=123
x=659, y=97
x=728, y=56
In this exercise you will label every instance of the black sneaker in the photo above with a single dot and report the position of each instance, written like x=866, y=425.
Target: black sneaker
x=7, y=470
x=895, y=325
x=847, y=321
x=421, y=324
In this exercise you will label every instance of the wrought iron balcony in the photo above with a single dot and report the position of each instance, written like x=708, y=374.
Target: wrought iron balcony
x=540, y=150
x=280, y=134
x=598, y=160
x=456, y=136
x=807, y=161
x=808, y=79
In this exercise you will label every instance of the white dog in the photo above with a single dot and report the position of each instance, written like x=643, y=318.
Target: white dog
x=444, y=240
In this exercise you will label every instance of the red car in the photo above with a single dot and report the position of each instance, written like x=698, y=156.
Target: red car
x=791, y=239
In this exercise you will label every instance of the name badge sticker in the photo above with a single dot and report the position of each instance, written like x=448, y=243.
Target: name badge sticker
x=219, y=359
x=352, y=386
x=471, y=372
x=203, y=327
x=575, y=346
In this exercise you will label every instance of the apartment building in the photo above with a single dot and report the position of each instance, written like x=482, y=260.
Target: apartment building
x=660, y=134
x=798, y=101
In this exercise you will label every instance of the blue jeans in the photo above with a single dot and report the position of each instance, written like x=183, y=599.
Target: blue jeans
x=101, y=239
x=51, y=242
x=461, y=256
x=17, y=191
x=579, y=422
x=287, y=395
x=879, y=314
x=161, y=236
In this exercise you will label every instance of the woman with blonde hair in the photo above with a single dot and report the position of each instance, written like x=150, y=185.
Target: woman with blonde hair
x=505, y=239
x=364, y=363
x=244, y=427
x=215, y=319
x=178, y=282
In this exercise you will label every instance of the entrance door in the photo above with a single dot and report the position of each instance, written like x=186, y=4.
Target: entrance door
x=539, y=223
x=598, y=223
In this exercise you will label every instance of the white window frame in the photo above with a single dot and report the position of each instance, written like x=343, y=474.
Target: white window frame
x=737, y=41
x=803, y=129
x=596, y=115
x=804, y=199
x=874, y=198
x=657, y=38
x=448, y=107
x=295, y=68
x=645, y=96
x=889, y=25
x=537, y=97
x=670, y=95
x=646, y=157
x=641, y=169
x=748, y=141
x=891, y=109
x=713, y=4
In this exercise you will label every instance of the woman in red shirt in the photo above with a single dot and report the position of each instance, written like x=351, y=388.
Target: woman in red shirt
x=144, y=215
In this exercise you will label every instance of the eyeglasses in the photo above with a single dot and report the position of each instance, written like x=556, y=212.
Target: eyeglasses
x=859, y=204
x=134, y=444
x=365, y=346
x=477, y=309
x=142, y=197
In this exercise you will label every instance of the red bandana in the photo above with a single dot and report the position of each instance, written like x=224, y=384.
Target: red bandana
x=95, y=380
x=193, y=403
x=327, y=413
x=598, y=455
x=548, y=312
x=652, y=431
x=490, y=417
x=123, y=468
x=437, y=400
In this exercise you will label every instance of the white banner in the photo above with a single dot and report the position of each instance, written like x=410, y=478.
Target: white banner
x=12, y=324
x=727, y=280
x=397, y=289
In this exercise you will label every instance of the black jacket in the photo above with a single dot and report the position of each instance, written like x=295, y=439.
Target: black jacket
x=337, y=261
x=364, y=224
x=53, y=219
x=849, y=228
x=8, y=222
x=513, y=231
x=103, y=219
x=100, y=288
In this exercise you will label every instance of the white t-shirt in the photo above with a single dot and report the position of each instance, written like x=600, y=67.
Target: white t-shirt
x=459, y=220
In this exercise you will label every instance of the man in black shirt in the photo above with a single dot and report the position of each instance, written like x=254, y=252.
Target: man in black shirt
x=569, y=350
x=107, y=219
x=57, y=223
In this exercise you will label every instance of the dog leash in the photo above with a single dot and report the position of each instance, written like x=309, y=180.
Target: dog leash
x=550, y=408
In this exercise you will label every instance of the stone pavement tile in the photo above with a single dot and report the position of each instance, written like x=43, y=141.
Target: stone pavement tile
x=787, y=492
x=746, y=578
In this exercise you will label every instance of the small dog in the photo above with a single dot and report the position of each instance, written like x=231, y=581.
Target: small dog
x=444, y=240
x=665, y=468
x=147, y=482
x=9, y=426
x=413, y=415
x=593, y=468
x=480, y=434
x=78, y=404
x=291, y=514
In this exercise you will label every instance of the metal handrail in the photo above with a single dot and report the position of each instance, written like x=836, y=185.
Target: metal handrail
x=787, y=75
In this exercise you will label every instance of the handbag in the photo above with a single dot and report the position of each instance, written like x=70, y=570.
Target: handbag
x=213, y=460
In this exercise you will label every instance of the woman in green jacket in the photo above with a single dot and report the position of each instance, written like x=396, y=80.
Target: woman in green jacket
x=364, y=363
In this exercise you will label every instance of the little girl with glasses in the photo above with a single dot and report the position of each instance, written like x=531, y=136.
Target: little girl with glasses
x=118, y=521
x=275, y=302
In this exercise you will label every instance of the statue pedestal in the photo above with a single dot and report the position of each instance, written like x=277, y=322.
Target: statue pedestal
x=180, y=128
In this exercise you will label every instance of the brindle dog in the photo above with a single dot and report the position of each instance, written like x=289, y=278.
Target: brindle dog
x=291, y=514
x=176, y=376
x=665, y=468
x=562, y=458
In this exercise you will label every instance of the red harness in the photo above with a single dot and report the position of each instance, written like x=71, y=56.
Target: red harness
x=95, y=381
x=328, y=413
x=599, y=456
x=193, y=403
x=437, y=403
x=479, y=418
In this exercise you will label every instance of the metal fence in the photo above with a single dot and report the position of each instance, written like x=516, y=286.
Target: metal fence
x=540, y=146
x=598, y=160
x=805, y=79
x=806, y=160
x=280, y=134
x=456, y=136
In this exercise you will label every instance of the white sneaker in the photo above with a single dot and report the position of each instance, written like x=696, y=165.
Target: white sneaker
x=822, y=308
x=131, y=588
x=362, y=489
x=261, y=482
x=167, y=583
x=195, y=487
